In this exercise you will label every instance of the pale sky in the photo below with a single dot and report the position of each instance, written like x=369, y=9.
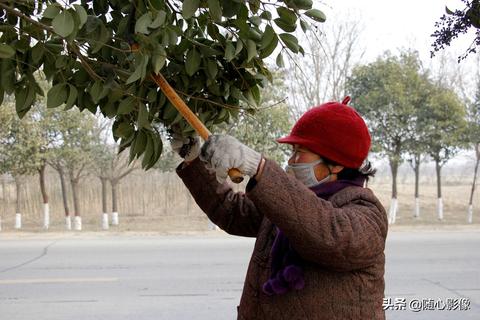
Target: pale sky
x=390, y=25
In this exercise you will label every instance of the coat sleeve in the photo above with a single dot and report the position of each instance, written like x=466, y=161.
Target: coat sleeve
x=232, y=211
x=342, y=238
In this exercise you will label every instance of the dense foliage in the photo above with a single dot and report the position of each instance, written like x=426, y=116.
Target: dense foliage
x=99, y=56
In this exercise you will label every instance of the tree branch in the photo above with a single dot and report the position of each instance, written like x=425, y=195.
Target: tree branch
x=73, y=48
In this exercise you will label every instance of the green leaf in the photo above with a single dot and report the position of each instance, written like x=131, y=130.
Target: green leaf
x=212, y=69
x=63, y=24
x=149, y=151
x=267, y=37
x=138, y=146
x=303, y=4
x=229, y=51
x=251, y=49
x=102, y=37
x=215, y=9
x=189, y=7
x=57, y=95
x=290, y=41
x=266, y=15
x=304, y=26
x=287, y=15
x=158, y=60
x=254, y=34
x=20, y=98
x=124, y=130
x=142, y=119
x=72, y=97
x=7, y=78
x=142, y=24
x=51, y=11
x=285, y=26
x=268, y=50
x=316, y=15
x=81, y=13
x=159, y=20
x=192, y=62
x=169, y=112
x=238, y=47
x=157, y=147
x=152, y=95
x=156, y=4
x=6, y=51
x=37, y=52
x=98, y=91
x=448, y=11
x=126, y=105
x=279, y=61
x=256, y=20
x=141, y=62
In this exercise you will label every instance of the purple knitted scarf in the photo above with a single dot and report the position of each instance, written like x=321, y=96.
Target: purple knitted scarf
x=287, y=265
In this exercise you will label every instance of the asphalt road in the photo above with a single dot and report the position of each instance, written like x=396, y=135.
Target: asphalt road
x=82, y=277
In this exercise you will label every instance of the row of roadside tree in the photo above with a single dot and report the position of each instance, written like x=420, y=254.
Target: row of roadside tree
x=411, y=116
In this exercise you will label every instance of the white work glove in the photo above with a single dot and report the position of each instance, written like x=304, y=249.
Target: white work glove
x=222, y=153
x=186, y=147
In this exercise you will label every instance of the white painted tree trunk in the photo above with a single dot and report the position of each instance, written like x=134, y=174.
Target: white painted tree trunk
x=392, y=214
x=416, y=212
x=212, y=226
x=115, y=218
x=105, y=221
x=470, y=214
x=68, y=223
x=440, y=208
x=46, y=216
x=77, y=223
x=18, y=221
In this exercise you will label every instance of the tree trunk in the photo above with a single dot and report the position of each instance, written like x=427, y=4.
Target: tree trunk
x=114, y=195
x=18, y=214
x=76, y=204
x=417, y=188
x=63, y=185
x=104, y=194
x=43, y=189
x=472, y=190
x=438, y=169
x=77, y=222
x=104, y=181
x=114, y=184
x=393, y=204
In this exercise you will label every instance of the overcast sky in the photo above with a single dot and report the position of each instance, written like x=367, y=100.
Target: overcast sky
x=390, y=25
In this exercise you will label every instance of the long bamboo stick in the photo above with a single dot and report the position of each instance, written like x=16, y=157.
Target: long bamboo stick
x=235, y=174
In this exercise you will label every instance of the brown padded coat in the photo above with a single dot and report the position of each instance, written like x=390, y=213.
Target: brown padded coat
x=342, y=241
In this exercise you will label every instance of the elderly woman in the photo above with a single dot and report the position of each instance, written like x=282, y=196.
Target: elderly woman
x=320, y=232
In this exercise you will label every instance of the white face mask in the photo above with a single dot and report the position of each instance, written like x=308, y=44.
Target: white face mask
x=305, y=173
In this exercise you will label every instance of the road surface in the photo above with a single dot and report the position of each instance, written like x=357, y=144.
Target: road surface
x=111, y=276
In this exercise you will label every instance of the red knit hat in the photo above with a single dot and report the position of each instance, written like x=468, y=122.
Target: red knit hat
x=335, y=131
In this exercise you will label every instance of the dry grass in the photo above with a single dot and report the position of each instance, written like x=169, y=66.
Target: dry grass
x=455, y=203
x=159, y=202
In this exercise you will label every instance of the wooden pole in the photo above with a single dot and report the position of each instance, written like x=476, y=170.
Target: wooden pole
x=191, y=118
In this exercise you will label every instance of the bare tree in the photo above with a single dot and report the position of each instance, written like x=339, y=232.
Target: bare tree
x=110, y=166
x=330, y=54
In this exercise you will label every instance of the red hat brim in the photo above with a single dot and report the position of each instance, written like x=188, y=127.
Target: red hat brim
x=293, y=140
